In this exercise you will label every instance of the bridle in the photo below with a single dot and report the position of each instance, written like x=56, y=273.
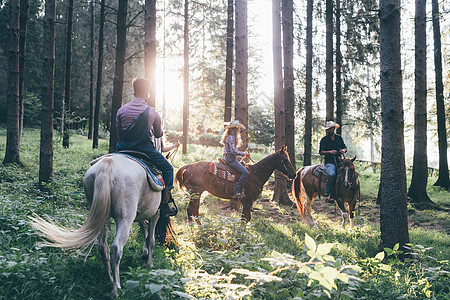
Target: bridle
x=349, y=181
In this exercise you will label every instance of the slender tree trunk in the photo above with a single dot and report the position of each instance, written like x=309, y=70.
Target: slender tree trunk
x=24, y=10
x=241, y=72
x=393, y=213
x=12, y=119
x=67, y=87
x=280, y=194
x=287, y=8
x=418, y=188
x=118, y=71
x=443, y=179
x=308, y=100
x=91, y=74
x=150, y=47
x=98, y=91
x=229, y=63
x=339, y=104
x=48, y=77
x=329, y=61
x=186, y=78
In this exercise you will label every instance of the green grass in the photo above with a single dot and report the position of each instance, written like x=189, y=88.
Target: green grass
x=210, y=253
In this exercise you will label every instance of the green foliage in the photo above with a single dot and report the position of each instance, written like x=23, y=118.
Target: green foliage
x=270, y=258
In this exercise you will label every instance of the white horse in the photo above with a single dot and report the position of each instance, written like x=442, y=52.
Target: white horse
x=116, y=187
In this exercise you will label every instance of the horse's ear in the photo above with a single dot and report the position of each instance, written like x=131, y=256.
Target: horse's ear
x=283, y=148
x=340, y=159
x=353, y=160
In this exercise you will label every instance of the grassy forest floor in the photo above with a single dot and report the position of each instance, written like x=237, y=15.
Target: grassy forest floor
x=223, y=258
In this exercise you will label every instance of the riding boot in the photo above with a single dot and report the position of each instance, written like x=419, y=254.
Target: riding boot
x=166, y=210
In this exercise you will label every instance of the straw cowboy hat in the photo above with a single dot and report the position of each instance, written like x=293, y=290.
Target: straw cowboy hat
x=234, y=123
x=330, y=124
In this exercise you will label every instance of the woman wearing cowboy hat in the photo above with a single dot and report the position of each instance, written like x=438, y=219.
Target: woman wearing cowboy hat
x=331, y=146
x=231, y=139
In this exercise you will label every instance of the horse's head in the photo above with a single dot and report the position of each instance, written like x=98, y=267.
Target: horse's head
x=284, y=164
x=347, y=172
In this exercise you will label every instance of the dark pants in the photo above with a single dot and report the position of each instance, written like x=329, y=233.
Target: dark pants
x=238, y=167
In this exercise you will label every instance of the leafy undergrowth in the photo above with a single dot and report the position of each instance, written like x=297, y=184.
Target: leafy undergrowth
x=274, y=256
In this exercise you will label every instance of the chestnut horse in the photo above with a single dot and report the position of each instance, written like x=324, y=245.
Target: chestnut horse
x=196, y=178
x=306, y=187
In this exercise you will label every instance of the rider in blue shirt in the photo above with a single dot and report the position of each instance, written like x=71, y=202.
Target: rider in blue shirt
x=231, y=139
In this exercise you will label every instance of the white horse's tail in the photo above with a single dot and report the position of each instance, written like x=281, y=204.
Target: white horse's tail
x=65, y=238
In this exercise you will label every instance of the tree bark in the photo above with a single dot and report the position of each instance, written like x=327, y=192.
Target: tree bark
x=287, y=8
x=308, y=88
x=229, y=63
x=91, y=74
x=98, y=91
x=280, y=194
x=443, y=179
x=150, y=47
x=241, y=71
x=24, y=10
x=393, y=212
x=12, y=120
x=339, y=104
x=418, y=188
x=118, y=71
x=66, y=111
x=329, y=61
x=186, y=78
x=48, y=76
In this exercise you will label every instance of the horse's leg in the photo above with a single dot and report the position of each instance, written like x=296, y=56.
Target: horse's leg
x=123, y=227
x=344, y=212
x=144, y=227
x=351, y=211
x=246, y=209
x=308, y=204
x=194, y=206
x=103, y=248
x=150, y=238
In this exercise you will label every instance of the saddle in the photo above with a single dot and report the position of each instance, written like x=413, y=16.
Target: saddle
x=154, y=176
x=221, y=170
x=318, y=171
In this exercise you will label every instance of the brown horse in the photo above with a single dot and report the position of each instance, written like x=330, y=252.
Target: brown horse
x=197, y=178
x=307, y=186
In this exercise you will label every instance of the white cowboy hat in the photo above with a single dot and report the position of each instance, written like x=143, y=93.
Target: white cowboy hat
x=234, y=123
x=330, y=124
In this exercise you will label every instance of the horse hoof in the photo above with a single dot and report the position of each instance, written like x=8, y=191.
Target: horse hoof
x=144, y=257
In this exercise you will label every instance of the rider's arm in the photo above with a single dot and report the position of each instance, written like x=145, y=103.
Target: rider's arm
x=232, y=146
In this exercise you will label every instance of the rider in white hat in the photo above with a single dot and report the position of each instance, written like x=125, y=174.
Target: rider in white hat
x=331, y=146
x=231, y=139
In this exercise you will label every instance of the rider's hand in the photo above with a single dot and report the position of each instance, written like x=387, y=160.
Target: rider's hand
x=343, y=151
x=333, y=152
x=177, y=144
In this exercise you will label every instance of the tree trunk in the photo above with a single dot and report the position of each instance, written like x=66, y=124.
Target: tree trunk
x=329, y=61
x=418, y=188
x=229, y=63
x=280, y=194
x=118, y=71
x=98, y=91
x=91, y=74
x=393, y=213
x=66, y=111
x=339, y=104
x=48, y=77
x=150, y=47
x=24, y=10
x=287, y=8
x=241, y=79
x=443, y=179
x=308, y=100
x=12, y=120
x=186, y=78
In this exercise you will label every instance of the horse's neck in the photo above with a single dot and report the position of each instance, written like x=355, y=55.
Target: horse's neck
x=262, y=170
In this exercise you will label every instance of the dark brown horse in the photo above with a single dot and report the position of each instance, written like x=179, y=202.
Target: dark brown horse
x=307, y=186
x=197, y=178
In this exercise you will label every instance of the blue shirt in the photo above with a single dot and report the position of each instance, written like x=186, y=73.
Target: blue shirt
x=230, y=146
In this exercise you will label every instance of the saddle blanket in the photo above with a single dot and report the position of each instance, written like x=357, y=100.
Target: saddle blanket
x=222, y=171
x=319, y=171
x=154, y=177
